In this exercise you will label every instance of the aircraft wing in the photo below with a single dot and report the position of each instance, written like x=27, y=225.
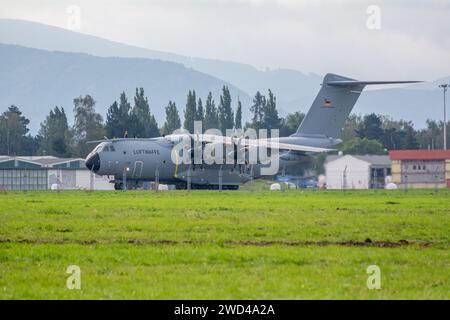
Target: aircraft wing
x=267, y=143
x=294, y=147
x=121, y=139
x=210, y=138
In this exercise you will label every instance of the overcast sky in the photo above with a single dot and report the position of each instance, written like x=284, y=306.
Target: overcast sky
x=413, y=41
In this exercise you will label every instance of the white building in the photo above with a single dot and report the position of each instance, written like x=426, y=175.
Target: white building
x=34, y=173
x=357, y=172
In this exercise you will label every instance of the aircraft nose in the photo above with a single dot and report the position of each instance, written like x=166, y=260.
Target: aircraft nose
x=93, y=162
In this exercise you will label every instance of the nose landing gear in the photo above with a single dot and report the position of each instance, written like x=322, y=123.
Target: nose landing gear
x=118, y=186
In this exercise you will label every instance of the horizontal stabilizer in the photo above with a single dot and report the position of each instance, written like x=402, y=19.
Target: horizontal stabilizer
x=351, y=83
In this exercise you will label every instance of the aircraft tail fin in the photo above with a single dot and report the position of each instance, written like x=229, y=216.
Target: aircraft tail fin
x=333, y=104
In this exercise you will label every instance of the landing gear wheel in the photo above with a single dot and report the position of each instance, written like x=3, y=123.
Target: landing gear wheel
x=118, y=186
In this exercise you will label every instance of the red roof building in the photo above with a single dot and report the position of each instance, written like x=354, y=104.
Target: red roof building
x=421, y=168
x=438, y=154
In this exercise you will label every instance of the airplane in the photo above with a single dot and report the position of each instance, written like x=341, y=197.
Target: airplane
x=134, y=160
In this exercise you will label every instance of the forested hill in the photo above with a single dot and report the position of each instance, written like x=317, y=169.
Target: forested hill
x=288, y=84
x=37, y=80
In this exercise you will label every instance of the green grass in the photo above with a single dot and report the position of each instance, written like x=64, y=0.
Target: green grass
x=225, y=245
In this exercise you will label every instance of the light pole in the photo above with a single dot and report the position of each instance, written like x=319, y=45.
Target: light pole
x=7, y=135
x=445, y=87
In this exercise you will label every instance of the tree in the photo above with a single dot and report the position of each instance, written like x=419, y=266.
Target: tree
x=350, y=128
x=172, y=119
x=290, y=124
x=270, y=113
x=238, y=118
x=370, y=127
x=118, y=118
x=143, y=123
x=432, y=136
x=112, y=128
x=226, y=117
x=393, y=138
x=88, y=124
x=362, y=146
x=54, y=135
x=211, y=119
x=124, y=115
x=199, y=112
x=13, y=133
x=257, y=110
x=410, y=140
x=30, y=145
x=398, y=134
x=190, y=113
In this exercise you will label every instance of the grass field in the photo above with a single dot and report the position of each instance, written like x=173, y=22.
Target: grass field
x=225, y=245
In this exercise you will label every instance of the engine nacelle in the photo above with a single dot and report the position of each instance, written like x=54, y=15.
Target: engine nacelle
x=292, y=156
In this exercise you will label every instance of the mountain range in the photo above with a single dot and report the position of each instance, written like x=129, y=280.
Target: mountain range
x=37, y=80
x=43, y=66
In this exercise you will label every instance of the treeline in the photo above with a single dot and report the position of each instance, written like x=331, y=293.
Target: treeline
x=375, y=134
x=369, y=134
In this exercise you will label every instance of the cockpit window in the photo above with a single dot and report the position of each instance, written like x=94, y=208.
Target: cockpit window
x=104, y=147
x=99, y=148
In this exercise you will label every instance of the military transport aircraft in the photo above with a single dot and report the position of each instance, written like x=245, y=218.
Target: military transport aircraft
x=170, y=159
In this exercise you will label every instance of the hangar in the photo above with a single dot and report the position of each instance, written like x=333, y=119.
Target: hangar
x=45, y=172
x=357, y=171
x=421, y=168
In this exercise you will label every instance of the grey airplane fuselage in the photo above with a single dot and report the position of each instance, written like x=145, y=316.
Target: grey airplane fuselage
x=151, y=159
